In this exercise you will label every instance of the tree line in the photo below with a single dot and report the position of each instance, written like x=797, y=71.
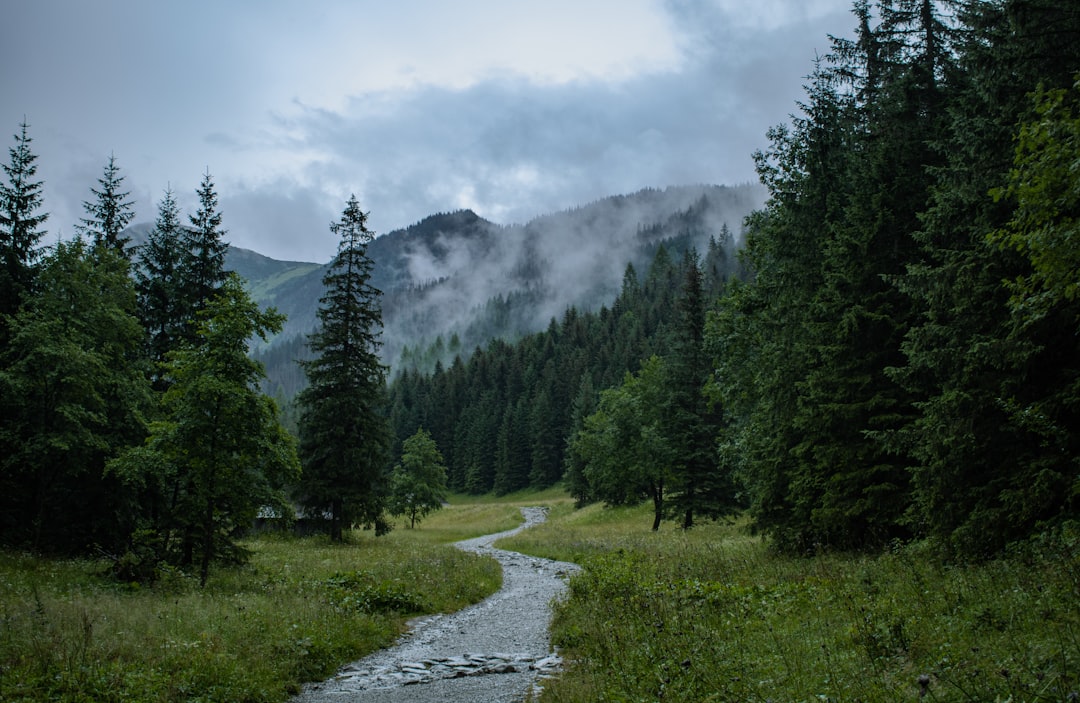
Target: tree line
x=502, y=416
x=893, y=356
x=134, y=422
x=900, y=359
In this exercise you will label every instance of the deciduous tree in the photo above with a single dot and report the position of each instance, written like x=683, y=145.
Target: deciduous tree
x=72, y=396
x=418, y=482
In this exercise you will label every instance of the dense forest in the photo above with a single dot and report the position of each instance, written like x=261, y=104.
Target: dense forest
x=892, y=354
x=502, y=417
x=454, y=281
x=135, y=426
x=900, y=359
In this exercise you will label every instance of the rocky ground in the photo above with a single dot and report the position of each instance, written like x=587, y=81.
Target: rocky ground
x=493, y=652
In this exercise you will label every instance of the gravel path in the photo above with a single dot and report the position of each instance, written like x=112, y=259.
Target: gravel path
x=495, y=651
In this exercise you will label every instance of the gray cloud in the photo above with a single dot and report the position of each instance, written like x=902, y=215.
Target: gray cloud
x=246, y=91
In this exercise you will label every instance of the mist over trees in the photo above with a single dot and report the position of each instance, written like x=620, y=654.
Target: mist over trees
x=900, y=359
x=502, y=418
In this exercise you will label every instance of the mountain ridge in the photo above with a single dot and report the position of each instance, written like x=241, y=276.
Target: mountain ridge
x=457, y=273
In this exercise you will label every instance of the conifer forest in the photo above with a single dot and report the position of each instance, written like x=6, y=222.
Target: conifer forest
x=887, y=351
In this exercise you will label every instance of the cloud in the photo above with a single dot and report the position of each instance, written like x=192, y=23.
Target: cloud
x=273, y=219
x=512, y=109
x=512, y=149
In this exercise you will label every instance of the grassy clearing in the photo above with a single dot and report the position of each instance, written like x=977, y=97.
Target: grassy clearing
x=297, y=611
x=712, y=615
x=708, y=615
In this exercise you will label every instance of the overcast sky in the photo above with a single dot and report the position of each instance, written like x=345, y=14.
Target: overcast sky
x=513, y=108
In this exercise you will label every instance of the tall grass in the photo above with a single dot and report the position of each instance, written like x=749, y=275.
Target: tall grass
x=713, y=615
x=296, y=612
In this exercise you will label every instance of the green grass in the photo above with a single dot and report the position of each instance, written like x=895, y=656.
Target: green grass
x=296, y=612
x=265, y=288
x=713, y=615
x=705, y=615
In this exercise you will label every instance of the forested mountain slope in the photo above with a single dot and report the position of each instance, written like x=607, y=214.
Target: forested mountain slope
x=902, y=361
x=457, y=274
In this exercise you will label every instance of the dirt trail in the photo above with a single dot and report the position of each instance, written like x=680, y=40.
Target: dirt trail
x=492, y=652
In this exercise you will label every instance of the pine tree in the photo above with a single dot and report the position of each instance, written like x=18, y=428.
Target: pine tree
x=20, y=224
x=157, y=281
x=345, y=436
x=109, y=213
x=219, y=450
x=202, y=268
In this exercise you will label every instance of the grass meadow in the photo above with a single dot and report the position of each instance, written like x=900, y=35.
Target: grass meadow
x=297, y=611
x=713, y=615
x=706, y=615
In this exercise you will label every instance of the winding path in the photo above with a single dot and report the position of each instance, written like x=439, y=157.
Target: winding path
x=492, y=652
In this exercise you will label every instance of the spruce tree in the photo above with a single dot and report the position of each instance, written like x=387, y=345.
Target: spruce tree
x=219, y=453
x=689, y=424
x=202, y=268
x=157, y=281
x=110, y=211
x=763, y=349
x=20, y=224
x=345, y=436
x=984, y=473
x=859, y=318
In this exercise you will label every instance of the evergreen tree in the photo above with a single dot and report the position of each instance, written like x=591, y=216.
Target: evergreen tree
x=583, y=406
x=689, y=424
x=202, y=268
x=762, y=352
x=157, y=281
x=110, y=211
x=219, y=450
x=20, y=225
x=344, y=434
x=984, y=474
x=860, y=319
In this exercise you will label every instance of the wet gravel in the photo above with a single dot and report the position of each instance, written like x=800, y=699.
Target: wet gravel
x=495, y=651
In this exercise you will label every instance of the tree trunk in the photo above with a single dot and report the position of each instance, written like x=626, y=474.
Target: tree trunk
x=335, y=520
x=208, y=542
x=658, y=506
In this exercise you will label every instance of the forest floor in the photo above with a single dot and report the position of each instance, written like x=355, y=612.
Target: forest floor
x=490, y=652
